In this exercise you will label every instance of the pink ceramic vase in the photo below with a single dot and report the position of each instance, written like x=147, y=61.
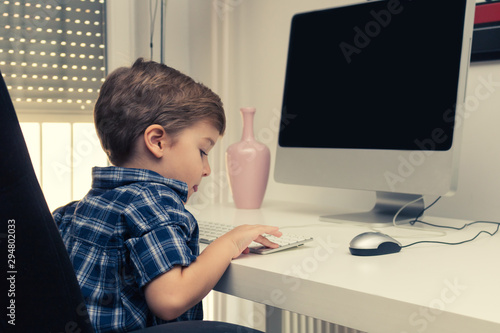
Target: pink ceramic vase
x=248, y=163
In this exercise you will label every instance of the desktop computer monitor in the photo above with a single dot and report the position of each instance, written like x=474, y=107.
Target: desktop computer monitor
x=373, y=100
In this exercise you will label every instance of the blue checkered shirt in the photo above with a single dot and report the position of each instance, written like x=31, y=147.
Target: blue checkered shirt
x=130, y=228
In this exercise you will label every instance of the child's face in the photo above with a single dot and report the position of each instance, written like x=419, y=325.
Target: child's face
x=187, y=159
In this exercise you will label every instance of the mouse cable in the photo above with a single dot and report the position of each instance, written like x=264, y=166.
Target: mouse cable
x=419, y=215
x=457, y=228
x=412, y=221
x=416, y=220
x=423, y=210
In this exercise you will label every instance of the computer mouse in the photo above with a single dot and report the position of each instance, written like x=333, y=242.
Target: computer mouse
x=373, y=244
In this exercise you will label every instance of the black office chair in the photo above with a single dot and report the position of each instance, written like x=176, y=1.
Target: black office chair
x=42, y=291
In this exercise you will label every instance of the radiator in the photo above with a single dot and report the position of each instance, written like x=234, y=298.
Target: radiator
x=222, y=307
x=296, y=323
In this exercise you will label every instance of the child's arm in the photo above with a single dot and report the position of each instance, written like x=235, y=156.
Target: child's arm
x=173, y=293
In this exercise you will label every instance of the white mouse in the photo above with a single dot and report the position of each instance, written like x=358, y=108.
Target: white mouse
x=373, y=244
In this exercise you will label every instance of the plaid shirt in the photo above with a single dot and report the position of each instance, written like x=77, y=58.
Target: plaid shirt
x=130, y=228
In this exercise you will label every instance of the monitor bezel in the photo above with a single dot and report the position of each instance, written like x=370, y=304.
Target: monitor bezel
x=400, y=171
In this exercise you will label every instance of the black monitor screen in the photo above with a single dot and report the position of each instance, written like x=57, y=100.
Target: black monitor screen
x=378, y=75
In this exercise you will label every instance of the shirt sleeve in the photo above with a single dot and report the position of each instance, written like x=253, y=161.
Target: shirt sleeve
x=159, y=251
x=160, y=232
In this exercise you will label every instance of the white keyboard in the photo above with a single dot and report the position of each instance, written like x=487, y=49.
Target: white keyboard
x=210, y=231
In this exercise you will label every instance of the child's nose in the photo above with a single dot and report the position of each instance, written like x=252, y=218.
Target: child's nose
x=206, y=169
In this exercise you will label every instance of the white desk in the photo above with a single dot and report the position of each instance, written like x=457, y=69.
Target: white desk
x=424, y=288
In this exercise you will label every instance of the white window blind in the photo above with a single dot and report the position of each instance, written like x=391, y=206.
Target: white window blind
x=52, y=53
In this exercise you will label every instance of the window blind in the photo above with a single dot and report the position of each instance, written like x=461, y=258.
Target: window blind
x=52, y=53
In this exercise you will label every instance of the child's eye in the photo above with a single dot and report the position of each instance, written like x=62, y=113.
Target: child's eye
x=203, y=153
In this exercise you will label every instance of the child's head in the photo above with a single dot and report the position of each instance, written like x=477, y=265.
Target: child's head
x=132, y=99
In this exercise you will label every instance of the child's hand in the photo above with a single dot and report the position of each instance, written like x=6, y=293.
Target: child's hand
x=243, y=235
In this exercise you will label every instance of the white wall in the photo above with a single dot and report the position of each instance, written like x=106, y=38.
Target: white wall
x=129, y=33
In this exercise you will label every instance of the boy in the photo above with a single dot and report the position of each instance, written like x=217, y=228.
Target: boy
x=133, y=245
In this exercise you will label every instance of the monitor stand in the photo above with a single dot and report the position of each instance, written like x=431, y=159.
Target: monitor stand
x=382, y=214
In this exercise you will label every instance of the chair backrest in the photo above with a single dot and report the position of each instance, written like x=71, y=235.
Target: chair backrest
x=42, y=291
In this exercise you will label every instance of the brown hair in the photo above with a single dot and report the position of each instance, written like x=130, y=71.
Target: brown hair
x=131, y=99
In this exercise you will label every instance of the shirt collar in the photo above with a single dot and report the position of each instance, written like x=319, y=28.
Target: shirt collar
x=113, y=177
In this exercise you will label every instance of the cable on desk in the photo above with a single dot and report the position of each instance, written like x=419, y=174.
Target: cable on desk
x=416, y=220
x=457, y=243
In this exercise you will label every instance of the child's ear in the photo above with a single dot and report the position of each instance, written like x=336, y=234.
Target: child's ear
x=156, y=140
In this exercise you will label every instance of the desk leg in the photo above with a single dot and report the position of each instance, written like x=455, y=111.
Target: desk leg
x=273, y=319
